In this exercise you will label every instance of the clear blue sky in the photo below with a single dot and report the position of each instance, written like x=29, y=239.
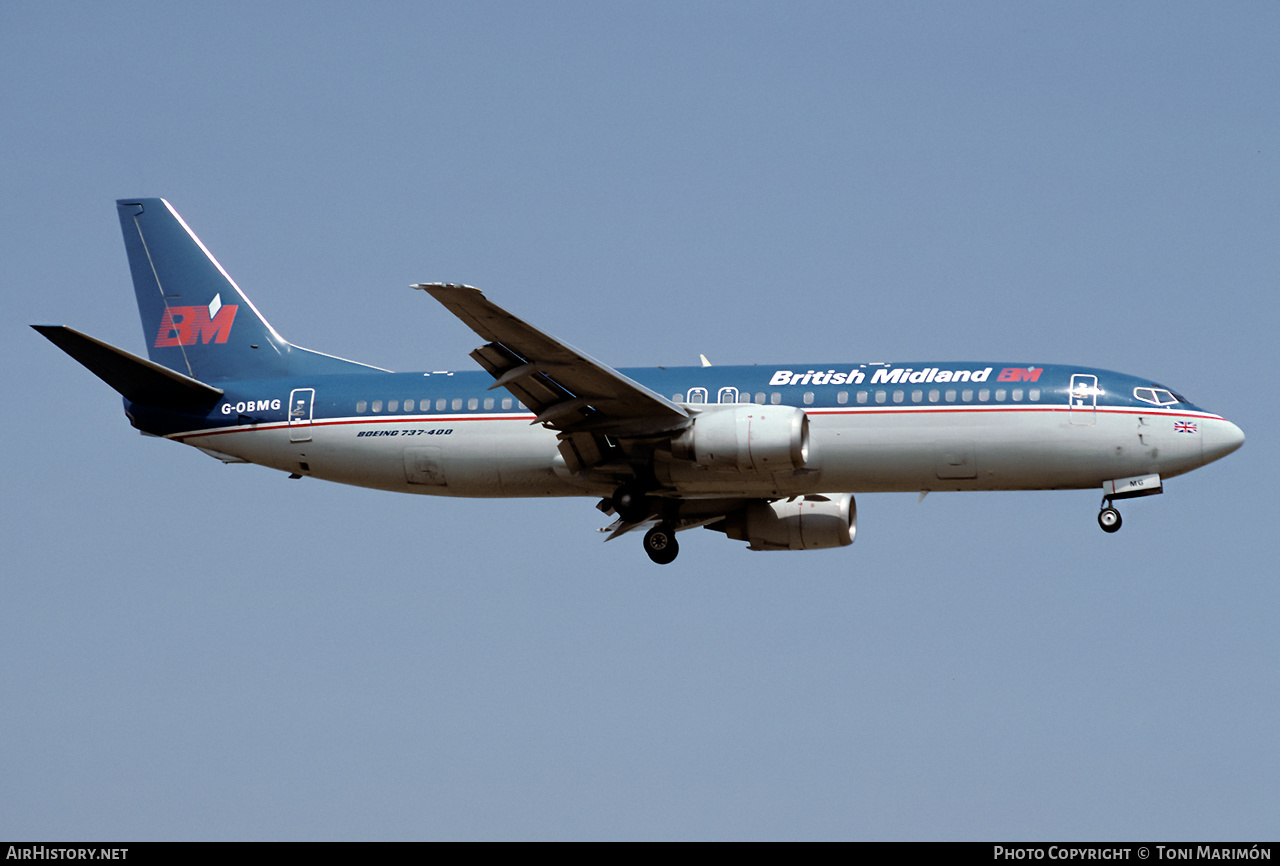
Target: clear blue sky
x=197, y=651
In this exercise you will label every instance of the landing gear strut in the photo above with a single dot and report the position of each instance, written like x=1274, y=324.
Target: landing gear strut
x=1108, y=517
x=660, y=543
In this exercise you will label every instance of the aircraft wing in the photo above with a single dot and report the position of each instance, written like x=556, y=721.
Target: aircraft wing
x=568, y=390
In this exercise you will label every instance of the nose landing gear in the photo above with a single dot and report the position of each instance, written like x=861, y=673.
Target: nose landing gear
x=1124, y=488
x=1109, y=517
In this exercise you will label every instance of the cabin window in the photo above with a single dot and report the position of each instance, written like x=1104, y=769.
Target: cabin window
x=441, y=404
x=408, y=405
x=898, y=396
x=473, y=404
x=1033, y=395
x=744, y=396
x=362, y=405
x=1016, y=394
x=457, y=403
x=506, y=402
x=967, y=395
x=488, y=402
x=862, y=396
x=775, y=398
x=999, y=395
x=677, y=398
x=728, y=395
x=951, y=395
x=377, y=405
x=760, y=398
x=917, y=396
x=880, y=396
x=808, y=398
x=984, y=395
x=934, y=395
x=842, y=397
x=393, y=405
x=697, y=395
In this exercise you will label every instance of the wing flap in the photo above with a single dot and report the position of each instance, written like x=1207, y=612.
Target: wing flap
x=567, y=389
x=690, y=514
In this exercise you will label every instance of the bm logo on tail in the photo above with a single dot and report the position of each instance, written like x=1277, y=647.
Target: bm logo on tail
x=184, y=326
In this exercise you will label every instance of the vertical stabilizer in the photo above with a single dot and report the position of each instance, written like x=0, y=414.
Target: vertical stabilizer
x=195, y=319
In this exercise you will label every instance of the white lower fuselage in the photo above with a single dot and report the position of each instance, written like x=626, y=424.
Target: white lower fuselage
x=853, y=450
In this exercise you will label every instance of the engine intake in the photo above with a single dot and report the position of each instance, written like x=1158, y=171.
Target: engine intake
x=746, y=437
x=809, y=523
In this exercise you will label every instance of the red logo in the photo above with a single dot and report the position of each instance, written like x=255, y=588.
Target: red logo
x=185, y=326
x=1020, y=374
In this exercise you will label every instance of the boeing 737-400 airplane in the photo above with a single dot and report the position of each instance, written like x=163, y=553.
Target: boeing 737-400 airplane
x=769, y=454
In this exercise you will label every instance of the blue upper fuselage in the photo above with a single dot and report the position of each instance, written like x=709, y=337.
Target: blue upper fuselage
x=886, y=386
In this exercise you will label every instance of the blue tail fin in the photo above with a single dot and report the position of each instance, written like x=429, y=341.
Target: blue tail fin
x=195, y=319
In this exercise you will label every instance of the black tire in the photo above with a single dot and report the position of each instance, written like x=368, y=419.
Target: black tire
x=1109, y=519
x=661, y=545
x=631, y=504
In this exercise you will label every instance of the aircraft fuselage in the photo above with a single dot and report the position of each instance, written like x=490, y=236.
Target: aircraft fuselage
x=770, y=455
x=448, y=434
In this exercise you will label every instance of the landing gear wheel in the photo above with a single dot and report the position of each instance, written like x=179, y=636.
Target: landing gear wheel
x=630, y=504
x=660, y=544
x=1109, y=519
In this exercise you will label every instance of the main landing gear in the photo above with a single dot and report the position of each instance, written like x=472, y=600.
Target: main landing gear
x=660, y=543
x=1108, y=517
x=630, y=503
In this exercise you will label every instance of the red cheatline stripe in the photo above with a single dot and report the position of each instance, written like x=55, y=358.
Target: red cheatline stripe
x=404, y=419
x=855, y=410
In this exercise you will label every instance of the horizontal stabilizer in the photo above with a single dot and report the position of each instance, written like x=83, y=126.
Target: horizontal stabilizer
x=139, y=380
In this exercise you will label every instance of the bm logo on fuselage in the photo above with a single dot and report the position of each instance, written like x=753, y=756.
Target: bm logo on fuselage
x=185, y=326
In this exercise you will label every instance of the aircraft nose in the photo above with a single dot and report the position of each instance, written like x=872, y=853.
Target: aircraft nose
x=1219, y=438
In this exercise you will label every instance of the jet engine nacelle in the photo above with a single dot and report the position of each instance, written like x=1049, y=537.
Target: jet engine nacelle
x=807, y=523
x=746, y=437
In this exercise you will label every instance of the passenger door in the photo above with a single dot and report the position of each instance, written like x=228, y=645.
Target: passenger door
x=301, y=401
x=1083, y=399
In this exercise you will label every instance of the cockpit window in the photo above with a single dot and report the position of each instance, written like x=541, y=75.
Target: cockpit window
x=1157, y=396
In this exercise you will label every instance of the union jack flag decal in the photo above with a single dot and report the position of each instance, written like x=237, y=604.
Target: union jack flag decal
x=1184, y=427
